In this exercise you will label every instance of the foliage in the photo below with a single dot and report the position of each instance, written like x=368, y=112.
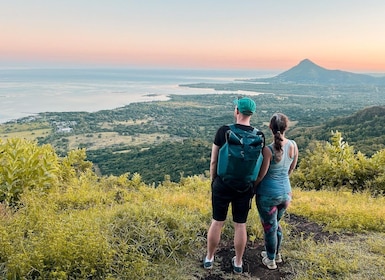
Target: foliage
x=196, y=118
x=90, y=227
x=363, y=129
x=176, y=159
x=24, y=165
x=335, y=166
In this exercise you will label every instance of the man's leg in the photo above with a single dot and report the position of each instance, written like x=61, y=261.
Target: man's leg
x=213, y=237
x=240, y=239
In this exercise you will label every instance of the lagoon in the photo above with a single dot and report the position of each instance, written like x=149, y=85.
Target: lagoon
x=25, y=92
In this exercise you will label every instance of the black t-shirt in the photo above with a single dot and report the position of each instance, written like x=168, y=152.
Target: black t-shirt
x=220, y=136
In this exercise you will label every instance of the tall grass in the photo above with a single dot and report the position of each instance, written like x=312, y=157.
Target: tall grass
x=89, y=227
x=114, y=227
x=341, y=210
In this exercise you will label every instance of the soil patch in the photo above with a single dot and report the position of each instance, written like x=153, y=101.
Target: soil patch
x=252, y=260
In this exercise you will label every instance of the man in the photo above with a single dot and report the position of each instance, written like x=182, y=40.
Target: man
x=223, y=195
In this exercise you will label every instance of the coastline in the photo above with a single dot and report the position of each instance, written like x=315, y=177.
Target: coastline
x=9, y=115
x=27, y=92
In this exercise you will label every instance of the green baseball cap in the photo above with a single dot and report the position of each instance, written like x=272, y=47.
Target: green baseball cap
x=245, y=105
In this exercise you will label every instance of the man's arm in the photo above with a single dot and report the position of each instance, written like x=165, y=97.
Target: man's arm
x=214, y=161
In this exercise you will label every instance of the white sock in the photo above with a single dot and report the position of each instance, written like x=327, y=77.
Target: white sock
x=238, y=265
x=207, y=260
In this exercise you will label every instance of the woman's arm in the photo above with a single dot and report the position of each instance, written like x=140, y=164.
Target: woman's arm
x=266, y=152
x=295, y=160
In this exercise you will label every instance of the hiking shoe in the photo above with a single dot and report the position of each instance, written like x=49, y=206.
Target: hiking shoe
x=278, y=257
x=236, y=269
x=207, y=264
x=269, y=263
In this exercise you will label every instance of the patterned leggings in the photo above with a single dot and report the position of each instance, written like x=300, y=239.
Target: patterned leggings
x=271, y=210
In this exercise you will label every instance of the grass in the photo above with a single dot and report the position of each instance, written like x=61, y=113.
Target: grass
x=358, y=249
x=87, y=227
x=341, y=210
x=108, y=139
x=15, y=127
x=29, y=131
x=110, y=125
x=29, y=135
x=355, y=256
x=115, y=225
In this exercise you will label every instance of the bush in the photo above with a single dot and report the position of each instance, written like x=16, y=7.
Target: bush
x=90, y=227
x=335, y=166
x=24, y=165
x=81, y=226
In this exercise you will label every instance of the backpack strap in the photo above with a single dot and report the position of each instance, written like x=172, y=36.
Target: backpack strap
x=255, y=131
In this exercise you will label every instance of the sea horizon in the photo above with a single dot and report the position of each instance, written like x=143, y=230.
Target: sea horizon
x=29, y=91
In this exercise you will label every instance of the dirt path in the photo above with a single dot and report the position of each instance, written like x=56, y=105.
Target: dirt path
x=252, y=262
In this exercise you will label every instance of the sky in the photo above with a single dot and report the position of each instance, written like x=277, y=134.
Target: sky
x=201, y=34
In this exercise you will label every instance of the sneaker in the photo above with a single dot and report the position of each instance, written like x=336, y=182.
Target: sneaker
x=236, y=269
x=269, y=263
x=278, y=257
x=207, y=264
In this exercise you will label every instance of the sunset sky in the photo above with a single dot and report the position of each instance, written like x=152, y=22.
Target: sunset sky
x=215, y=34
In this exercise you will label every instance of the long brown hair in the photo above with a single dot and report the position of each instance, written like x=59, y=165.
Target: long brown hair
x=278, y=125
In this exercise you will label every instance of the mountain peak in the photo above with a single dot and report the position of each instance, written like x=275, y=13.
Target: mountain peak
x=307, y=72
x=306, y=61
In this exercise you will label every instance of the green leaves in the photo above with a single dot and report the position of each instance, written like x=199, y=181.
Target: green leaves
x=335, y=165
x=24, y=165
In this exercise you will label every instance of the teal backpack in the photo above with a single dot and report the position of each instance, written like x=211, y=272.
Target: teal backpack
x=240, y=158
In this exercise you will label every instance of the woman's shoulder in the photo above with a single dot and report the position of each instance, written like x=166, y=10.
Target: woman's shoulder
x=293, y=148
x=294, y=144
x=290, y=142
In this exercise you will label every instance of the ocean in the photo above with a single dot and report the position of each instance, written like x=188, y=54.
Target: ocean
x=25, y=92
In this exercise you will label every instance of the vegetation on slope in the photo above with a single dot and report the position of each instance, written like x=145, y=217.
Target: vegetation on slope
x=336, y=166
x=73, y=224
x=364, y=129
x=174, y=159
x=127, y=139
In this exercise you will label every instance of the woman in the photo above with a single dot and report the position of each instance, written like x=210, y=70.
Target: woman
x=273, y=189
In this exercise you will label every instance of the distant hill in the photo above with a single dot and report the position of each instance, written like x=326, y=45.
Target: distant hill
x=372, y=117
x=364, y=130
x=307, y=72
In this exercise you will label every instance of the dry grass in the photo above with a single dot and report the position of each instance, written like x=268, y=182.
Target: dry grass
x=174, y=104
x=30, y=134
x=107, y=139
x=110, y=125
x=29, y=131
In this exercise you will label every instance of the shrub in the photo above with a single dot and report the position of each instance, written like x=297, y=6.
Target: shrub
x=335, y=166
x=24, y=165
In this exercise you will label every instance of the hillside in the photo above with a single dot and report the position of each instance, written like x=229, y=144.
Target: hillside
x=307, y=72
x=174, y=137
x=153, y=140
x=372, y=116
x=364, y=130
x=59, y=220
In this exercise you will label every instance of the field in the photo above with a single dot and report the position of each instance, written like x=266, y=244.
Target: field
x=107, y=139
x=30, y=131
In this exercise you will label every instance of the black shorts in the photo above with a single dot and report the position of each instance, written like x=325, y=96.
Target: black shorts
x=222, y=196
